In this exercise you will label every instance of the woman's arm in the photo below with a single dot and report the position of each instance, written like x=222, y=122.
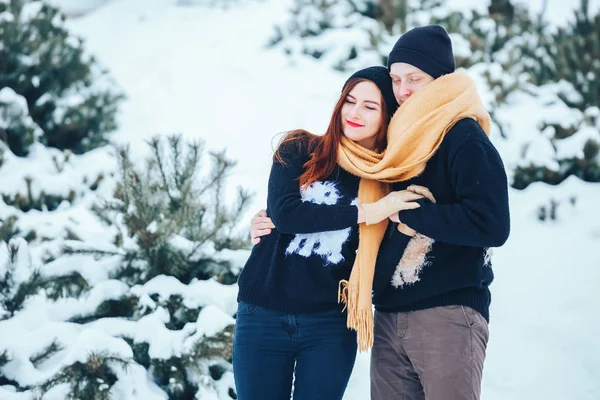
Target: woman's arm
x=289, y=213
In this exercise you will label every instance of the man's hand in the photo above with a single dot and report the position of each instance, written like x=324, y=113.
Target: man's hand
x=423, y=191
x=406, y=230
x=403, y=228
x=260, y=225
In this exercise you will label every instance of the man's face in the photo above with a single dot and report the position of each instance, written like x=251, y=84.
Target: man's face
x=406, y=80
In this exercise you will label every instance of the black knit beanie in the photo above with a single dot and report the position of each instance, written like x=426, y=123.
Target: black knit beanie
x=380, y=76
x=428, y=48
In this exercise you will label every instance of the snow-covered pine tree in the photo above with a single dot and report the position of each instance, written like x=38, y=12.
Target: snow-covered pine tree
x=565, y=62
x=351, y=34
x=31, y=199
x=90, y=379
x=145, y=303
x=173, y=234
x=346, y=34
x=172, y=217
x=18, y=280
x=67, y=95
x=133, y=299
x=223, y=4
x=577, y=55
x=526, y=60
x=17, y=129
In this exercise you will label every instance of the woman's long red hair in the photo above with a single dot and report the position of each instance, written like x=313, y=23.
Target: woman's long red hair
x=324, y=149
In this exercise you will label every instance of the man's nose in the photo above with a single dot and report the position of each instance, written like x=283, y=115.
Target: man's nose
x=404, y=90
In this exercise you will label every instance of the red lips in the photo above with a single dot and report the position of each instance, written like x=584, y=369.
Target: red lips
x=354, y=124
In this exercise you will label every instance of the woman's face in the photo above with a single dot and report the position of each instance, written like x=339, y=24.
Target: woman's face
x=361, y=114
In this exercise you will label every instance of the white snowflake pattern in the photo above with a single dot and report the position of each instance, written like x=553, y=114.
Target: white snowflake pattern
x=329, y=244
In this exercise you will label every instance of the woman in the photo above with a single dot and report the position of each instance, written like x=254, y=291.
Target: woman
x=290, y=326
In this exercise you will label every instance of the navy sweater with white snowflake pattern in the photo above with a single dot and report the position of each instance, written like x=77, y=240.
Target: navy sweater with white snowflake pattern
x=468, y=180
x=296, y=268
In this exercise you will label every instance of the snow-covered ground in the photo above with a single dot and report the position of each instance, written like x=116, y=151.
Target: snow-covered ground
x=206, y=73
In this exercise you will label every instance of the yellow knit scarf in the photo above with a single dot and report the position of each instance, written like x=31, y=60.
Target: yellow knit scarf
x=414, y=135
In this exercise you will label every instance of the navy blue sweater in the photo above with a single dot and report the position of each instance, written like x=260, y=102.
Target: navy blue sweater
x=468, y=180
x=296, y=269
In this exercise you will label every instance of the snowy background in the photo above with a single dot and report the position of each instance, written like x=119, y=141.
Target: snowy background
x=205, y=72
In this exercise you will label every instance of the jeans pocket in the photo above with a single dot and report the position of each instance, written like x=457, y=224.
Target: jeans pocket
x=246, y=309
x=470, y=316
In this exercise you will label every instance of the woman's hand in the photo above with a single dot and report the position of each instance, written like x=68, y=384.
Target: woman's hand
x=260, y=225
x=390, y=204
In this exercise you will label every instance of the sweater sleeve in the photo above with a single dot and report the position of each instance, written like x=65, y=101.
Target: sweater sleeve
x=480, y=217
x=289, y=213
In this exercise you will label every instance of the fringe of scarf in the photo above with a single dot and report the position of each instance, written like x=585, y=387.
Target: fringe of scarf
x=356, y=293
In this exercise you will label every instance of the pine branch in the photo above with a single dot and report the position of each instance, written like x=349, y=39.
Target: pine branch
x=124, y=307
x=162, y=201
x=155, y=144
x=180, y=315
x=4, y=358
x=227, y=238
x=70, y=250
x=125, y=168
x=172, y=377
x=164, y=259
x=8, y=228
x=221, y=166
x=69, y=285
x=175, y=143
x=188, y=173
x=91, y=380
x=106, y=208
x=130, y=273
x=46, y=353
x=217, y=346
x=13, y=294
x=25, y=290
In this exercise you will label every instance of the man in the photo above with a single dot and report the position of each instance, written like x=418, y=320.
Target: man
x=432, y=307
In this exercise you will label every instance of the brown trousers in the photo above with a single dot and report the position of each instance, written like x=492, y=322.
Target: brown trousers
x=432, y=354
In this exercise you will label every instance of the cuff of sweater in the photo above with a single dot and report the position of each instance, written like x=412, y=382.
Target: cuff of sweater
x=410, y=218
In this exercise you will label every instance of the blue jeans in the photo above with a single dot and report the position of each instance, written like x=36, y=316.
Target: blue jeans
x=270, y=347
